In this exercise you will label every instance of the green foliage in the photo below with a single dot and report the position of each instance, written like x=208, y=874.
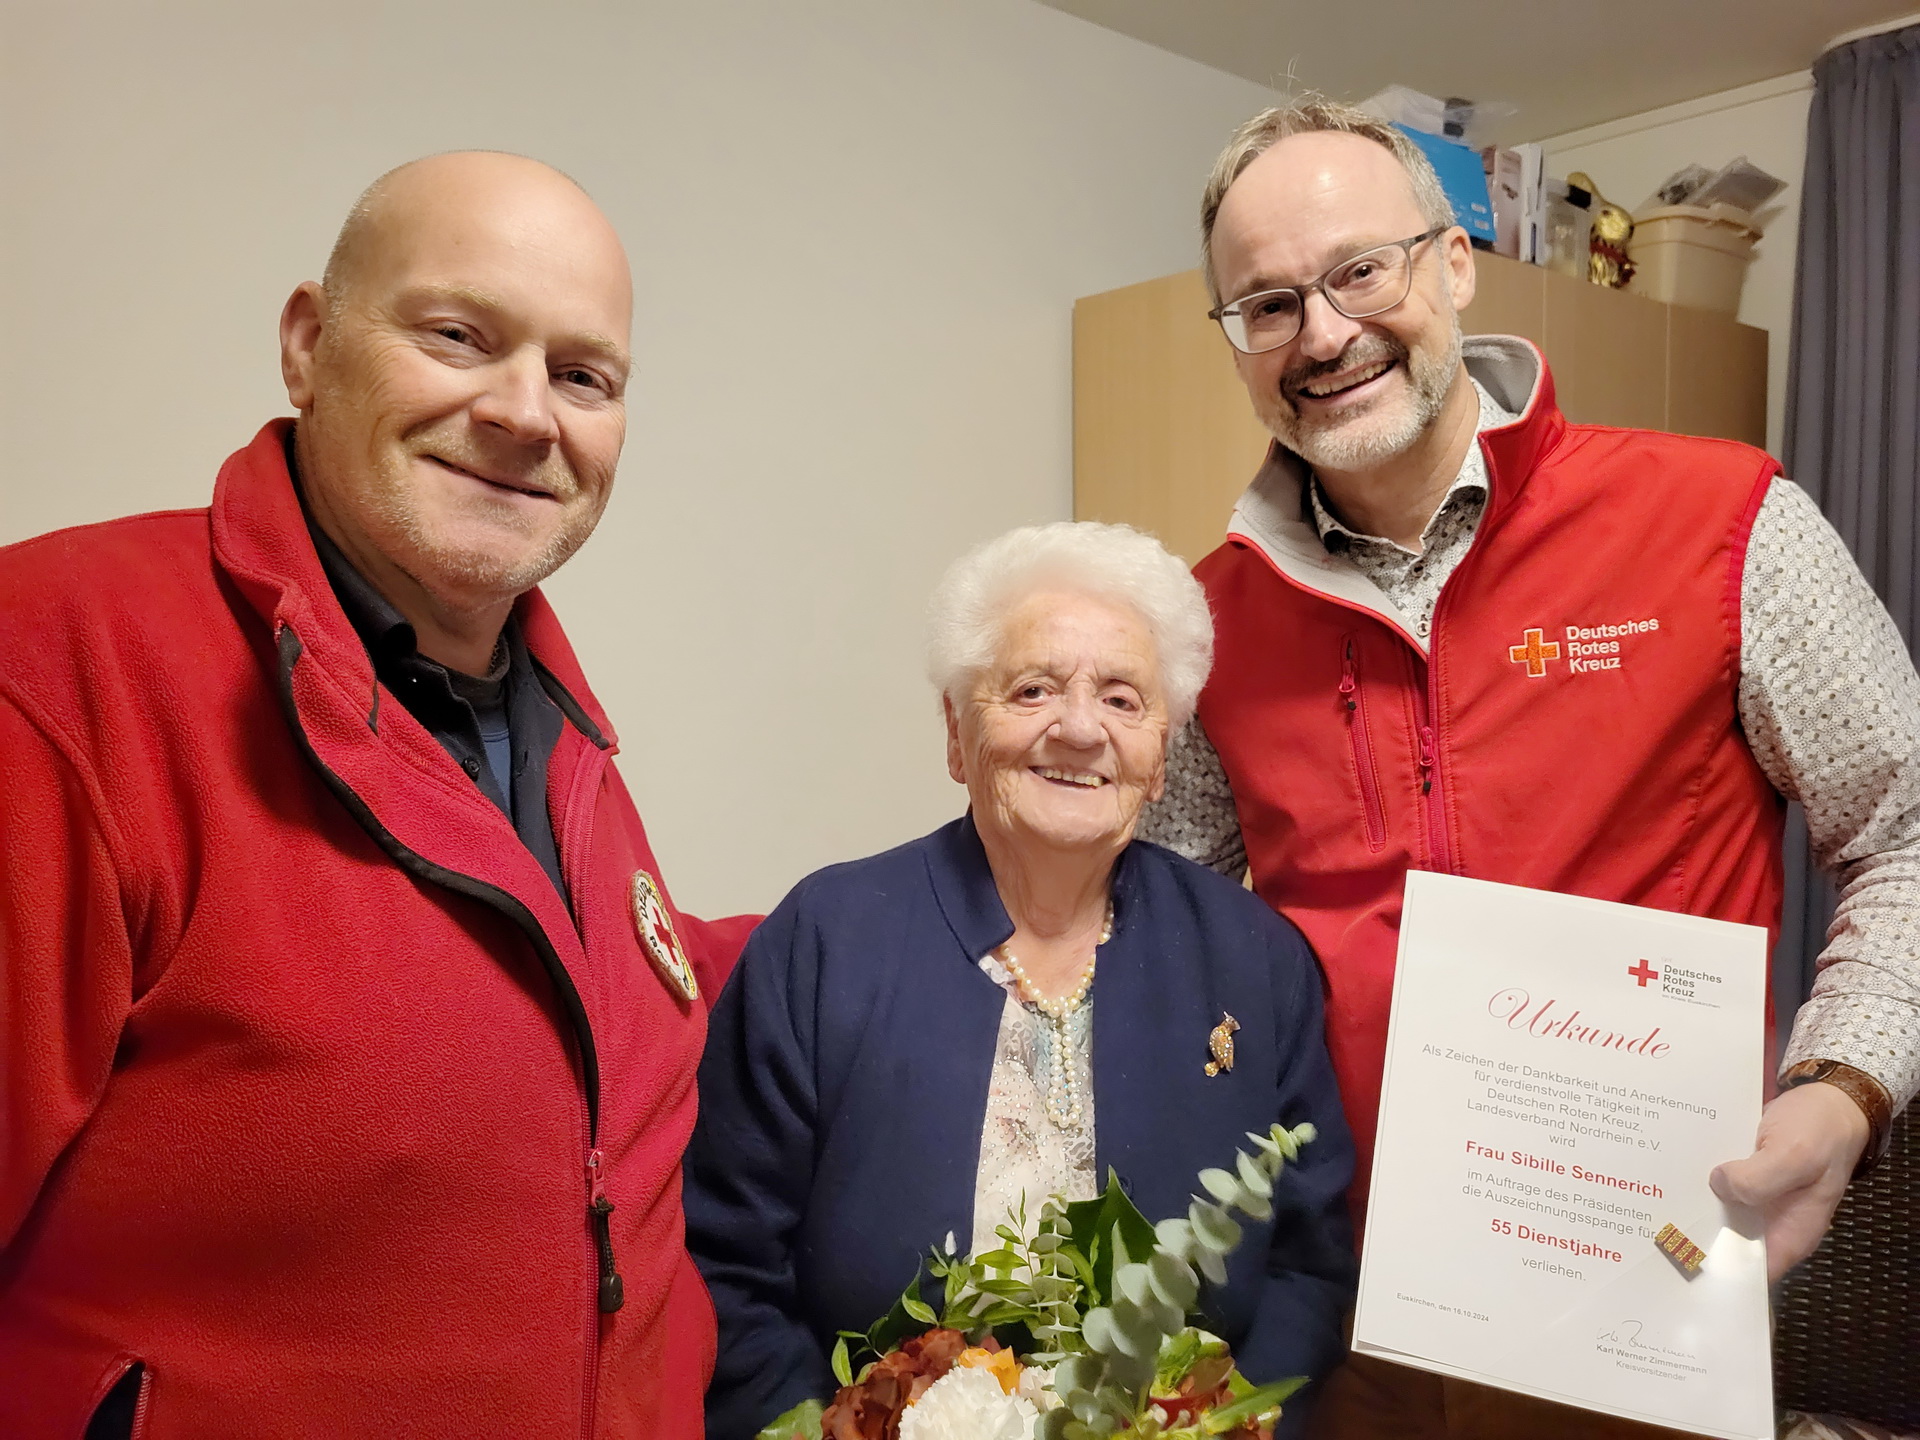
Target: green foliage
x=1180, y=1354
x=898, y=1323
x=1258, y=1401
x=1101, y=1295
x=802, y=1422
x=1093, y=1223
x=1139, y=1338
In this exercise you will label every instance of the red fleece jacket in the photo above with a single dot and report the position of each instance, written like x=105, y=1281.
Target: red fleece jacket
x=302, y=1057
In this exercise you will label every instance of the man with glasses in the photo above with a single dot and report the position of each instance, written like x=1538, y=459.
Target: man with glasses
x=1456, y=633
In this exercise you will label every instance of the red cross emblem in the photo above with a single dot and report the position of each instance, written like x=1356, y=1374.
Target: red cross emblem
x=1642, y=973
x=1535, y=653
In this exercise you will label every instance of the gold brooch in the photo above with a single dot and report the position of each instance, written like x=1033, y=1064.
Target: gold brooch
x=1220, y=1044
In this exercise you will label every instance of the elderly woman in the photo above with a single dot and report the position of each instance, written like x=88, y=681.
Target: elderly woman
x=914, y=1042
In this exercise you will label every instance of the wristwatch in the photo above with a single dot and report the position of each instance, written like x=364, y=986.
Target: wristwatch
x=1865, y=1091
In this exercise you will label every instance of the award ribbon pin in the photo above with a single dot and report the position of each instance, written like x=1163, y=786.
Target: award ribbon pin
x=1682, y=1251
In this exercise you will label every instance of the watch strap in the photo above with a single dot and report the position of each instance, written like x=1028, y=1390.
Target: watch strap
x=1865, y=1091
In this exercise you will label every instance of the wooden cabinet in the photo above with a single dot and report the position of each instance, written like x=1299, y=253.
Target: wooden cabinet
x=1163, y=436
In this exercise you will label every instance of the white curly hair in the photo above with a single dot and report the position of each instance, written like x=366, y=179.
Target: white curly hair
x=1112, y=562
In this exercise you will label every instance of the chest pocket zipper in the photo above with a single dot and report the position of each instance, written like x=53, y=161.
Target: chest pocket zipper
x=1353, y=699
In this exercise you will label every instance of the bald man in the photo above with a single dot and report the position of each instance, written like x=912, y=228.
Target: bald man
x=349, y=1038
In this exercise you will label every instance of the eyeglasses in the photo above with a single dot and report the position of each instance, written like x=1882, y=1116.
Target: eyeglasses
x=1370, y=283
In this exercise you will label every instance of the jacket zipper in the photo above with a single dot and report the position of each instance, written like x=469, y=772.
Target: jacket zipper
x=1427, y=696
x=139, y=1427
x=1439, y=853
x=1361, y=738
x=612, y=1288
x=609, y=1289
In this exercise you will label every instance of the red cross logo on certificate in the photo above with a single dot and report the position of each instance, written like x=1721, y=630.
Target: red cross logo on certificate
x=1642, y=973
x=1535, y=653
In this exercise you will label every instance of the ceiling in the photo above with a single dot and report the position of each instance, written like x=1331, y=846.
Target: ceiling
x=1564, y=65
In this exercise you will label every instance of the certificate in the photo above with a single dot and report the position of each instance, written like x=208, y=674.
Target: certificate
x=1561, y=1076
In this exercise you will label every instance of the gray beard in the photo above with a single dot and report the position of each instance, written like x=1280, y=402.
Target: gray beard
x=1361, y=446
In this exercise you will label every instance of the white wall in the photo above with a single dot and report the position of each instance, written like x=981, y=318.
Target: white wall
x=915, y=191
x=1767, y=123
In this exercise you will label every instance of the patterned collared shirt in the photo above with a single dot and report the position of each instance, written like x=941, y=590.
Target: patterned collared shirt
x=1828, y=701
x=1412, y=578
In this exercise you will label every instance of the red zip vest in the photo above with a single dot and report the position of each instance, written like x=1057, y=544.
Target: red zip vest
x=1569, y=724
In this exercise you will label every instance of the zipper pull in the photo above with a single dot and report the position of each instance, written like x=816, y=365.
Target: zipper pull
x=613, y=1290
x=1426, y=759
x=1347, y=682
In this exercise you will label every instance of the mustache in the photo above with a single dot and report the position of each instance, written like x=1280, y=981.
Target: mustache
x=1366, y=350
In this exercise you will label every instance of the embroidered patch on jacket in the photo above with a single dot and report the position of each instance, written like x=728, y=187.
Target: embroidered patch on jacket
x=655, y=928
x=1533, y=652
x=1585, y=649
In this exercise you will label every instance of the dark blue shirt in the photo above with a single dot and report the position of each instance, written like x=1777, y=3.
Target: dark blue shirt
x=500, y=727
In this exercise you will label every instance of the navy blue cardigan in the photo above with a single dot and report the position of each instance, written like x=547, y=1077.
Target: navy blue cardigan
x=845, y=1085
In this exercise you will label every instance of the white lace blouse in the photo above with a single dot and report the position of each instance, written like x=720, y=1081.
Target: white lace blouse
x=1023, y=1154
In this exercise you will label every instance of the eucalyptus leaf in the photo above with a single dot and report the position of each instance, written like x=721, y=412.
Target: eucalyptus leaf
x=1099, y=1331
x=1221, y=1185
x=1213, y=1227
x=1210, y=1265
x=1257, y=1180
x=1135, y=1283
x=1173, y=1279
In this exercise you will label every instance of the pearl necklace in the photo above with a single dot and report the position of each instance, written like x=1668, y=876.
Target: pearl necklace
x=1065, y=1105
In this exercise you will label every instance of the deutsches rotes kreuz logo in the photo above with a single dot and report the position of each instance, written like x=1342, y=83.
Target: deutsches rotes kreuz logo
x=654, y=926
x=1585, y=649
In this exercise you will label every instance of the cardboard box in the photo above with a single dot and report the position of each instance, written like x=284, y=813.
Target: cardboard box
x=1463, y=178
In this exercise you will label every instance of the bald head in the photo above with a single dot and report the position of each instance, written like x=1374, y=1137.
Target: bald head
x=452, y=190
x=460, y=376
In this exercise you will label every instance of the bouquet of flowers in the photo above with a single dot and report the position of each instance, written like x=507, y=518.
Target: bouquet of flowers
x=1074, y=1328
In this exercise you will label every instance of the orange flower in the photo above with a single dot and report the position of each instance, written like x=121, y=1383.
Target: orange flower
x=999, y=1363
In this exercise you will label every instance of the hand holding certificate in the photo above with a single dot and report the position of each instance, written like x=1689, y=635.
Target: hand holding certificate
x=1562, y=1076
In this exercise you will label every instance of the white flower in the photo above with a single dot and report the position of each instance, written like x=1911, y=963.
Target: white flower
x=1036, y=1385
x=967, y=1404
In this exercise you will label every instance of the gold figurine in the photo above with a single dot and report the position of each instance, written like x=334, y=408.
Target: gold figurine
x=1607, y=262
x=1220, y=1044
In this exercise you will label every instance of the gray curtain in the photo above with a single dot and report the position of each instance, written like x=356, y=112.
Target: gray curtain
x=1853, y=382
